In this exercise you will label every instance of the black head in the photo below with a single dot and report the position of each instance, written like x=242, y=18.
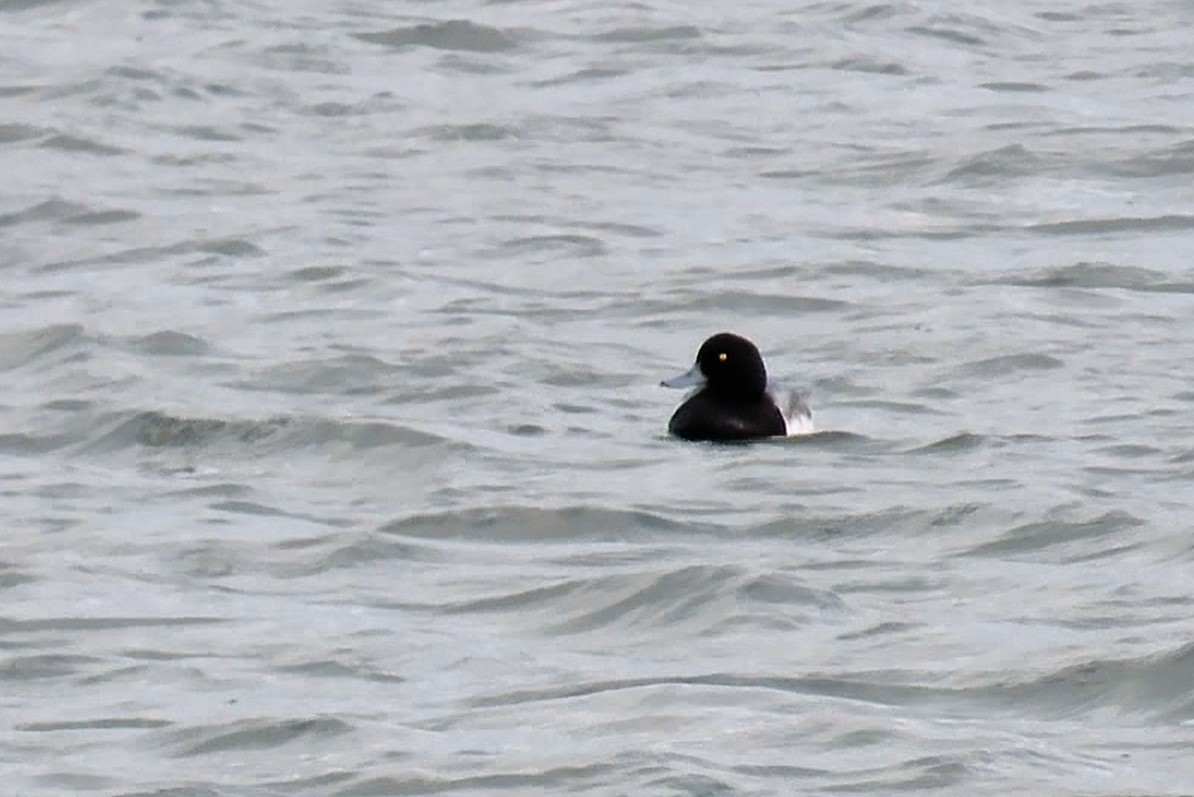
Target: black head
x=732, y=367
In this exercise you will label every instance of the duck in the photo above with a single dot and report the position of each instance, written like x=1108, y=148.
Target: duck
x=732, y=400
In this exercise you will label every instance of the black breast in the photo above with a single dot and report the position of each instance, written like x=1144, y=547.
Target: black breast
x=708, y=417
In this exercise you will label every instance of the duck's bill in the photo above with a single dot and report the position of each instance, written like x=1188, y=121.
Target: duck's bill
x=692, y=378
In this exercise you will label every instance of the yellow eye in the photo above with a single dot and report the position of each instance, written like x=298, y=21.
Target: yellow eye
x=722, y=356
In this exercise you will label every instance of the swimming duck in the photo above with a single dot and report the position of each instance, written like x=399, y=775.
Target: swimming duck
x=732, y=400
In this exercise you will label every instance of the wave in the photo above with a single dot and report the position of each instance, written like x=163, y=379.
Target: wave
x=1095, y=275
x=456, y=34
x=517, y=524
x=1082, y=535
x=154, y=429
x=34, y=346
x=250, y=734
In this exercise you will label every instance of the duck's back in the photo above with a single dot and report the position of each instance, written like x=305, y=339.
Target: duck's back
x=709, y=417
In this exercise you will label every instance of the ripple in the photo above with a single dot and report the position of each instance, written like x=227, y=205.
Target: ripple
x=846, y=525
x=1044, y=535
x=14, y=133
x=1157, y=683
x=318, y=273
x=477, y=131
x=99, y=724
x=903, y=407
x=1007, y=161
x=100, y=623
x=1014, y=87
x=50, y=210
x=77, y=144
x=573, y=245
x=160, y=430
x=956, y=443
x=687, y=596
x=170, y=343
x=208, y=133
x=11, y=576
x=648, y=34
x=1009, y=364
x=18, y=349
x=869, y=65
x=155, y=429
x=546, y=779
x=102, y=217
x=45, y=666
x=351, y=550
x=514, y=524
x=337, y=669
x=582, y=76
x=1165, y=162
x=952, y=35
x=23, y=444
x=258, y=734
x=1167, y=223
x=844, y=688
x=1088, y=275
x=256, y=509
x=746, y=303
x=229, y=247
x=829, y=439
x=456, y=35
x=345, y=374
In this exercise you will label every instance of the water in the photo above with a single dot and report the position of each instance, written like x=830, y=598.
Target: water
x=333, y=451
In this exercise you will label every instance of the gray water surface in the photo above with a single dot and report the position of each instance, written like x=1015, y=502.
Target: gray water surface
x=333, y=456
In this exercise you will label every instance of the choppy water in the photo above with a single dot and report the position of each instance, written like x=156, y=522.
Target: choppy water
x=332, y=450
